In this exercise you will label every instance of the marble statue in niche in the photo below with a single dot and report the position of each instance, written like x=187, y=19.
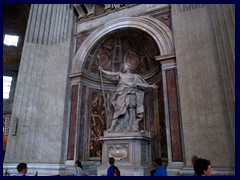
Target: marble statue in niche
x=127, y=100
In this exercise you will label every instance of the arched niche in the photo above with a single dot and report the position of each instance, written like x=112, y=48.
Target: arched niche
x=136, y=40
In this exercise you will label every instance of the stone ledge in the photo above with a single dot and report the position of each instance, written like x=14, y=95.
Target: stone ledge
x=141, y=133
x=188, y=171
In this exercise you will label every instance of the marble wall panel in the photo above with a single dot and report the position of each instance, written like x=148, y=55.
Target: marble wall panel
x=72, y=126
x=204, y=42
x=174, y=116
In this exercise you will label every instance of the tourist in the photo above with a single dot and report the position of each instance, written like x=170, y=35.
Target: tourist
x=160, y=168
x=193, y=160
x=22, y=169
x=78, y=169
x=112, y=170
x=202, y=167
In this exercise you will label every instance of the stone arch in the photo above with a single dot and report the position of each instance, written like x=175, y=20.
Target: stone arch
x=155, y=28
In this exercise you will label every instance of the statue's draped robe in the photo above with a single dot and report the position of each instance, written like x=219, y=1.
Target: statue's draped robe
x=128, y=95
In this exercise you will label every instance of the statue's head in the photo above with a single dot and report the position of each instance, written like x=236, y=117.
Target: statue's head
x=126, y=67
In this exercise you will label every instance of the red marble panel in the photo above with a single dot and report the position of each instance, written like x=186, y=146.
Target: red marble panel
x=72, y=129
x=174, y=116
x=82, y=117
x=162, y=130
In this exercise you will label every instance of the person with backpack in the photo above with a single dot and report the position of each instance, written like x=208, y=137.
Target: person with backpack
x=112, y=170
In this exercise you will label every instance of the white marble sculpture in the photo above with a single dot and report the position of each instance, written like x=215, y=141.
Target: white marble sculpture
x=127, y=100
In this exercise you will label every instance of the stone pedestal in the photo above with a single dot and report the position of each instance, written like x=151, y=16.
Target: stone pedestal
x=131, y=151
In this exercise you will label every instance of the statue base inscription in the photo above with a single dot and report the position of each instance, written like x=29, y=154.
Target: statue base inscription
x=131, y=151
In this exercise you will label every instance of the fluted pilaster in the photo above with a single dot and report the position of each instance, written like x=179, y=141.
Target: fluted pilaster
x=49, y=24
x=41, y=91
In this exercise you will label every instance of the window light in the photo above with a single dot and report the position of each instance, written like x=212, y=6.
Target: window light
x=7, y=80
x=10, y=40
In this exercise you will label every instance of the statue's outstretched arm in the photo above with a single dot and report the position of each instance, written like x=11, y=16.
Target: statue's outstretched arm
x=147, y=85
x=108, y=72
